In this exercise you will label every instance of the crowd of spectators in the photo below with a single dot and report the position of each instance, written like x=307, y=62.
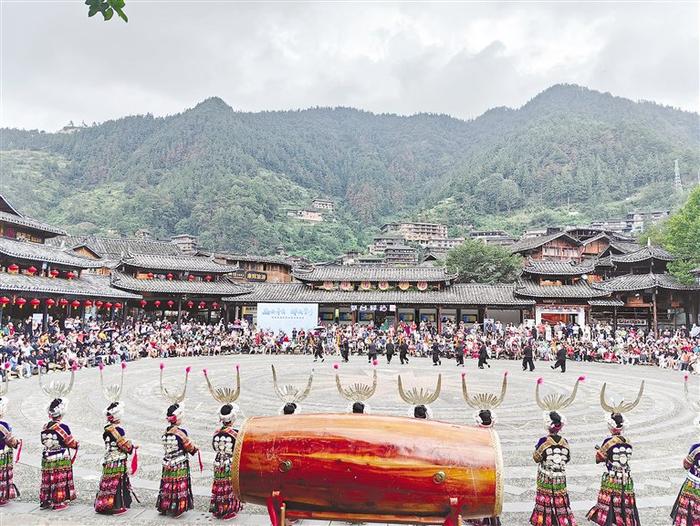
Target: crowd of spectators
x=86, y=343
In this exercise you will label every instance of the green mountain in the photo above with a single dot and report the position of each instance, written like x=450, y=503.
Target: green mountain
x=568, y=155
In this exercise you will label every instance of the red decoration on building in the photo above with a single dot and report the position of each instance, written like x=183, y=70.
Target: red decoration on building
x=20, y=301
x=99, y=304
x=208, y=278
x=63, y=302
x=190, y=304
x=54, y=273
x=108, y=305
x=75, y=304
x=143, y=303
x=4, y=301
x=31, y=270
x=70, y=275
x=169, y=276
x=50, y=302
x=150, y=275
x=171, y=303
x=35, y=303
x=214, y=305
x=117, y=306
x=87, y=303
x=190, y=278
x=202, y=304
x=13, y=267
x=156, y=303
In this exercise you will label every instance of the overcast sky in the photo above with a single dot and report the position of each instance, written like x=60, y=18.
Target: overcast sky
x=454, y=58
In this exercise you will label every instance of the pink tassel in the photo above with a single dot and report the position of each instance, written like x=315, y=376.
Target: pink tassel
x=19, y=451
x=199, y=457
x=135, y=461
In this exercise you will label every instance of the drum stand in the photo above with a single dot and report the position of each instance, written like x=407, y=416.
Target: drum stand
x=280, y=514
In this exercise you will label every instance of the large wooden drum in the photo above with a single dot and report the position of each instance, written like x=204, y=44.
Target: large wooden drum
x=366, y=464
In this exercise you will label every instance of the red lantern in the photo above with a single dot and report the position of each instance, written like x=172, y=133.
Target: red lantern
x=54, y=273
x=63, y=302
x=143, y=303
x=117, y=306
x=50, y=302
x=190, y=304
x=169, y=276
x=156, y=303
x=108, y=305
x=214, y=305
x=70, y=274
x=35, y=303
x=20, y=301
x=202, y=304
x=13, y=267
x=150, y=275
x=4, y=301
x=171, y=303
x=99, y=304
x=75, y=304
x=190, y=278
x=87, y=303
x=31, y=270
x=207, y=278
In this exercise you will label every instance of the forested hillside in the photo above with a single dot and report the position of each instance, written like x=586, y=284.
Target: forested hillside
x=568, y=155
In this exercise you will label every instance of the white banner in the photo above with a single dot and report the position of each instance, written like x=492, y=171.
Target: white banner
x=287, y=316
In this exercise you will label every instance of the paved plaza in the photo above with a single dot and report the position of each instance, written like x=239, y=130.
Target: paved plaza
x=660, y=428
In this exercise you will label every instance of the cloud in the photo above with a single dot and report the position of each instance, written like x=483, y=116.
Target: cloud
x=460, y=59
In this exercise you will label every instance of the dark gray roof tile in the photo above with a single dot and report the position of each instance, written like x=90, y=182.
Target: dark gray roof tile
x=28, y=251
x=88, y=285
x=163, y=286
x=373, y=273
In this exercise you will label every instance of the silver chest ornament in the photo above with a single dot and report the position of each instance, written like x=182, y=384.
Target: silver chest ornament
x=620, y=456
x=50, y=441
x=557, y=457
x=112, y=451
x=170, y=444
x=223, y=444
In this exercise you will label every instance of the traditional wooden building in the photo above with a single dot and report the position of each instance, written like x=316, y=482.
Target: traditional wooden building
x=387, y=295
x=171, y=285
x=269, y=269
x=557, y=246
x=39, y=280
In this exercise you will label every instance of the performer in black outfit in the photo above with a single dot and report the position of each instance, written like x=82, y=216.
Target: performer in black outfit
x=389, y=351
x=483, y=356
x=527, y=357
x=459, y=353
x=318, y=350
x=436, y=353
x=372, y=352
x=561, y=359
x=403, y=352
x=345, y=350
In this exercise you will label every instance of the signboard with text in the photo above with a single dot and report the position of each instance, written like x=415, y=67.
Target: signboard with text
x=287, y=316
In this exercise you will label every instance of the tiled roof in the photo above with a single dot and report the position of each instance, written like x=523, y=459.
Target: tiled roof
x=606, y=302
x=88, y=285
x=624, y=246
x=28, y=251
x=373, y=273
x=277, y=260
x=557, y=268
x=632, y=282
x=163, y=286
x=580, y=290
x=115, y=248
x=459, y=294
x=30, y=223
x=177, y=263
x=530, y=243
x=648, y=252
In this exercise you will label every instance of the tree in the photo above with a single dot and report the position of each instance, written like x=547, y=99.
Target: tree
x=107, y=8
x=681, y=236
x=477, y=262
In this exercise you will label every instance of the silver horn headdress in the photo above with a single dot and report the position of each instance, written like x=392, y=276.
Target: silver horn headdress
x=484, y=401
x=289, y=393
x=357, y=392
x=57, y=389
x=556, y=401
x=622, y=407
x=420, y=396
x=694, y=404
x=112, y=392
x=223, y=394
x=171, y=396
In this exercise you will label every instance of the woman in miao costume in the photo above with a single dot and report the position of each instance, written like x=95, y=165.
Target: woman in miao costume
x=291, y=395
x=686, y=509
x=617, y=504
x=224, y=504
x=114, y=493
x=57, y=487
x=8, y=444
x=484, y=405
x=175, y=495
x=552, y=454
x=420, y=399
x=358, y=393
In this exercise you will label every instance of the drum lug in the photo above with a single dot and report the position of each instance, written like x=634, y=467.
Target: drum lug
x=285, y=466
x=439, y=477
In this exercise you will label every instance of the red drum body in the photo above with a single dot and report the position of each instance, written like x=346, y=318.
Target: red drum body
x=354, y=465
